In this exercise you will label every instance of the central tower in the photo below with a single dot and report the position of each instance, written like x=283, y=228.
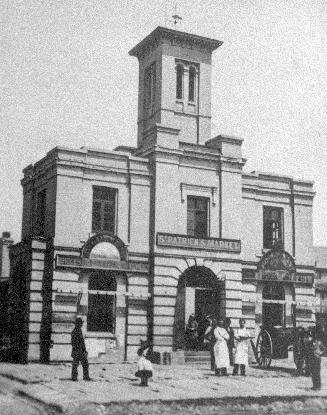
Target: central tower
x=174, y=85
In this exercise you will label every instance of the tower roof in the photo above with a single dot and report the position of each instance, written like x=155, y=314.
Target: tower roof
x=163, y=33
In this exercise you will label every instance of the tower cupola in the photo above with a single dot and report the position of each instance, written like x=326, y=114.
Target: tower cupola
x=175, y=84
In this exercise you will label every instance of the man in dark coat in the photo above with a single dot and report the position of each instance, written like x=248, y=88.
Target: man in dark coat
x=316, y=350
x=231, y=340
x=79, y=353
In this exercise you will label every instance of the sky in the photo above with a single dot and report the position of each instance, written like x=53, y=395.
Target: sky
x=66, y=79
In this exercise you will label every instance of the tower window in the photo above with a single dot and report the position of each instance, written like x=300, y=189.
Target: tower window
x=104, y=209
x=40, y=212
x=197, y=216
x=272, y=227
x=179, y=81
x=191, y=84
x=149, y=89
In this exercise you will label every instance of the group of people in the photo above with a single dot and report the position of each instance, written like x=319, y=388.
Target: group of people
x=228, y=347
x=80, y=355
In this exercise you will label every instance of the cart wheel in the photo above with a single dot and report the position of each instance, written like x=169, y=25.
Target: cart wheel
x=264, y=349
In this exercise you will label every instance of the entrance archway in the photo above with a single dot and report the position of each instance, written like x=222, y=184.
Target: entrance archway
x=199, y=292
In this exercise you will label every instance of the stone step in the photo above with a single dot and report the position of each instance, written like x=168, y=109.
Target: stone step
x=200, y=357
x=113, y=357
x=196, y=353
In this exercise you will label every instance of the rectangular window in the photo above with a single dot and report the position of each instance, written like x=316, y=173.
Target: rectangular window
x=149, y=89
x=41, y=200
x=273, y=227
x=104, y=209
x=197, y=216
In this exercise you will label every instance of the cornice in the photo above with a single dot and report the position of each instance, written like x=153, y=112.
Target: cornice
x=260, y=190
x=162, y=33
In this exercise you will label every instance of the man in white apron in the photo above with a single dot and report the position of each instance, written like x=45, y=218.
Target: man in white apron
x=221, y=349
x=242, y=348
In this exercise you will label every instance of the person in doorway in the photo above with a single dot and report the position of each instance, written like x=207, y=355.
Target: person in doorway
x=315, y=350
x=144, y=366
x=230, y=342
x=79, y=353
x=209, y=341
x=242, y=348
x=221, y=349
x=207, y=333
x=192, y=333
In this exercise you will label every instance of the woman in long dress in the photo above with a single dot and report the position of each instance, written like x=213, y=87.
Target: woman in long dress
x=221, y=349
x=242, y=348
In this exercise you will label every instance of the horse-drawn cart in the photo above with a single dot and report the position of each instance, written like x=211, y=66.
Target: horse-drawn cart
x=276, y=342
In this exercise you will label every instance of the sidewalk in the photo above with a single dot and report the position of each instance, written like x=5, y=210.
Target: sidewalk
x=51, y=384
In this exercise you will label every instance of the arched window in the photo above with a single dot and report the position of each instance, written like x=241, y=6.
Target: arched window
x=179, y=81
x=105, y=250
x=272, y=227
x=101, y=302
x=149, y=89
x=191, y=84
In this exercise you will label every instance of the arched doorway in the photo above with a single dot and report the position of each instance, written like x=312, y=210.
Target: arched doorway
x=273, y=313
x=199, y=292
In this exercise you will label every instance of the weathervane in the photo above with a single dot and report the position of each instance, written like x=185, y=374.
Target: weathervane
x=176, y=18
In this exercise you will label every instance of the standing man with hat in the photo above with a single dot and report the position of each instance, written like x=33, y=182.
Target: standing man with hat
x=79, y=353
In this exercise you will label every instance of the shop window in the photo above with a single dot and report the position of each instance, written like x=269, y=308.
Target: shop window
x=197, y=216
x=104, y=209
x=272, y=227
x=101, y=302
x=149, y=89
x=40, y=212
x=179, y=81
x=273, y=310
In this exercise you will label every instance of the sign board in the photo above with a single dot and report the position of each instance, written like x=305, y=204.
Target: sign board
x=66, y=261
x=284, y=276
x=191, y=242
x=278, y=275
x=277, y=265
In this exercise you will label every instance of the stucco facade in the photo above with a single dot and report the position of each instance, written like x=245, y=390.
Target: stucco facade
x=166, y=264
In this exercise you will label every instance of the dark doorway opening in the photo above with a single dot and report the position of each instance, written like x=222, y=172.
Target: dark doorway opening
x=199, y=296
x=273, y=314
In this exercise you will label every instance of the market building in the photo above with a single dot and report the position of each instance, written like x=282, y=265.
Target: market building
x=137, y=239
